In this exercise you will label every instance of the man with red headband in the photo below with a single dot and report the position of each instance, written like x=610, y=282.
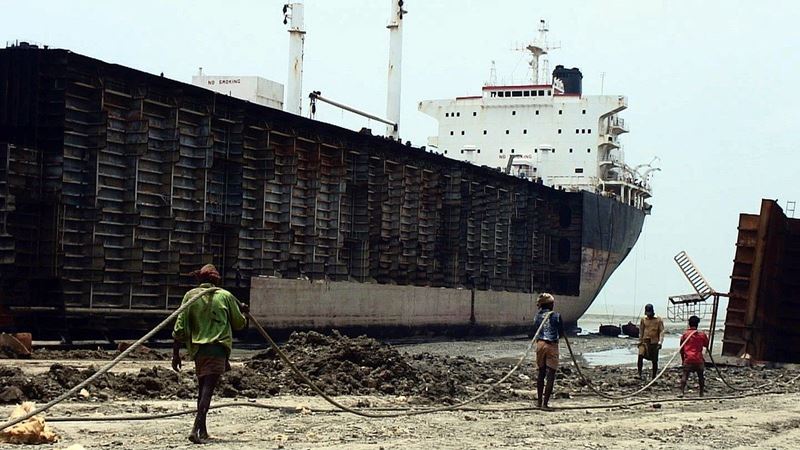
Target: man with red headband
x=206, y=329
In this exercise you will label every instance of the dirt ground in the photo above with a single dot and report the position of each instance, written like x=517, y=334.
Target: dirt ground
x=410, y=374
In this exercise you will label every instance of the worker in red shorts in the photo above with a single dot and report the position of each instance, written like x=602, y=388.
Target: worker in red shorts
x=692, y=354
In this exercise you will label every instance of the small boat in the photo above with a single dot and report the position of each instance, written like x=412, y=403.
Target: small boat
x=629, y=329
x=610, y=330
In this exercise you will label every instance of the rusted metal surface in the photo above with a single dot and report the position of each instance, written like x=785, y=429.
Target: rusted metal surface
x=115, y=184
x=763, y=318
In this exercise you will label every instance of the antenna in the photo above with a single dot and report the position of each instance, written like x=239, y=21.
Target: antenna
x=492, y=75
x=539, y=49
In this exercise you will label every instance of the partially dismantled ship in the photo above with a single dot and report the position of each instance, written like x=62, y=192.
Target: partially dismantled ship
x=115, y=184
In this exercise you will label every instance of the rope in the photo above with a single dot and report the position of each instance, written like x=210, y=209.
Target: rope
x=144, y=417
x=111, y=364
x=402, y=413
x=632, y=394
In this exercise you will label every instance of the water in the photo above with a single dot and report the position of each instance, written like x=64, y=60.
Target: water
x=628, y=354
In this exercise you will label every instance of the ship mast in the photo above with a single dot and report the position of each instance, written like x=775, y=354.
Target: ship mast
x=395, y=27
x=539, y=49
x=297, y=37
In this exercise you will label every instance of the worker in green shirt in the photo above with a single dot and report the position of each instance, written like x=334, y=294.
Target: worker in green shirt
x=206, y=329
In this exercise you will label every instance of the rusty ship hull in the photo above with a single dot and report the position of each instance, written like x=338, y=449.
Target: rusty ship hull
x=115, y=184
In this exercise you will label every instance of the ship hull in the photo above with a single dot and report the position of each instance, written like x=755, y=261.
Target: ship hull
x=115, y=185
x=609, y=231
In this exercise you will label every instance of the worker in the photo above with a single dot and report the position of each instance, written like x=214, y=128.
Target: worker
x=651, y=337
x=546, y=347
x=692, y=354
x=206, y=329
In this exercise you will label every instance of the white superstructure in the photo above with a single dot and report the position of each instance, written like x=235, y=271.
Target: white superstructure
x=253, y=89
x=549, y=132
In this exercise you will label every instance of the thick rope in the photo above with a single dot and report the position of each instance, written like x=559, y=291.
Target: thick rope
x=629, y=395
x=295, y=409
x=408, y=412
x=111, y=364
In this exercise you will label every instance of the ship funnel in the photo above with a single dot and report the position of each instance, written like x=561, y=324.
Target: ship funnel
x=572, y=79
x=293, y=16
x=395, y=27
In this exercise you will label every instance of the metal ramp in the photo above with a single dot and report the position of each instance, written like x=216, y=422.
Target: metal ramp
x=681, y=307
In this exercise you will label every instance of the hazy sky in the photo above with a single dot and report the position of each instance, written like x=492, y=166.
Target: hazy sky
x=711, y=87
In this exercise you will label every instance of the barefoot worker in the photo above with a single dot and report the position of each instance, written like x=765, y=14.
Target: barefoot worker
x=206, y=329
x=692, y=354
x=546, y=347
x=651, y=336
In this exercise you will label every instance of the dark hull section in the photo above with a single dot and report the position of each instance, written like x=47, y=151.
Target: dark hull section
x=115, y=184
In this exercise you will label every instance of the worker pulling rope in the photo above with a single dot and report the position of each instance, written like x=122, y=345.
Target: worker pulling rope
x=111, y=364
x=620, y=397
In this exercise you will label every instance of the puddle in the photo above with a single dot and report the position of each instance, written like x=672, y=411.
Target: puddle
x=627, y=354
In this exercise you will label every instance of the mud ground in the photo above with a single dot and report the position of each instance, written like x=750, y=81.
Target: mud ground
x=365, y=372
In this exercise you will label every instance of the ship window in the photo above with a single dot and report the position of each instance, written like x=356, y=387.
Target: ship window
x=584, y=111
x=536, y=150
x=512, y=150
x=501, y=150
x=479, y=150
x=513, y=113
x=447, y=114
x=577, y=131
x=500, y=94
x=506, y=131
x=588, y=150
x=554, y=151
x=559, y=131
x=508, y=93
x=578, y=170
x=570, y=150
x=560, y=112
x=474, y=113
x=462, y=151
x=516, y=94
x=589, y=131
x=548, y=92
x=458, y=114
x=445, y=152
x=451, y=133
x=484, y=131
x=526, y=93
x=533, y=93
x=583, y=131
x=494, y=94
x=462, y=132
x=541, y=92
x=537, y=112
x=563, y=250
x=524, y=131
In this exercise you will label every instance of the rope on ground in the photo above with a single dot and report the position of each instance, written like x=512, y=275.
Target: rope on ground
x=403, y=413
x=735, y=388
x=111, y=364
x=294, y=409
x=629, y=395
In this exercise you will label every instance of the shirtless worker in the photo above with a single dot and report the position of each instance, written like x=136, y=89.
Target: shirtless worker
x=651, y=336
x=546, y=347
x=692, y=354
x=206, y=329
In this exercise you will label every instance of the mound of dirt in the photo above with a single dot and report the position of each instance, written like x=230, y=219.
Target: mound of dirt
x=340, y=365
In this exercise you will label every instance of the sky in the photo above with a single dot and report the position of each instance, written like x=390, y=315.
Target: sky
x=711, y=88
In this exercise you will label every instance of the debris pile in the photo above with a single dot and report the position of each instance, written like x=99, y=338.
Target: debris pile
x=341, y=365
